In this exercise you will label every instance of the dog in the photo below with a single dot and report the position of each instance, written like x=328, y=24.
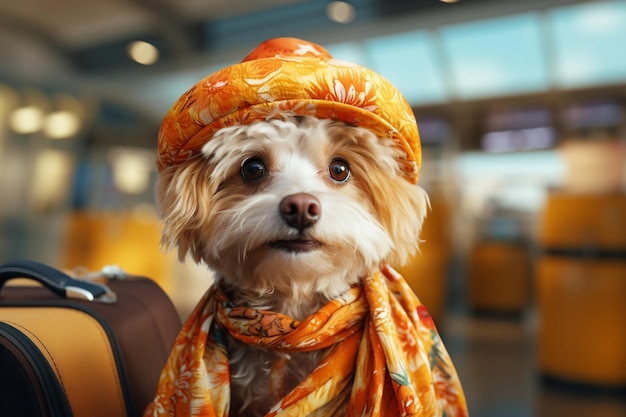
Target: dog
x=293, y=177
x=289, y=213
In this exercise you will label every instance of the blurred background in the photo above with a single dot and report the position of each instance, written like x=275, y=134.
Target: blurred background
x=521, y=110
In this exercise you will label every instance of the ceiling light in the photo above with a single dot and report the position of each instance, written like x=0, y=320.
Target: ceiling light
x=131, y=169
x=340, y=12
x=61, y=124
x=143, y=52
x=26, y=120
x=50, y=185
x=449, y=1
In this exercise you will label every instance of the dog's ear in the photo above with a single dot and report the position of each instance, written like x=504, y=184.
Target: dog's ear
x=183, y=196
x=415, y=207
x=399, y=205
x=401, y=208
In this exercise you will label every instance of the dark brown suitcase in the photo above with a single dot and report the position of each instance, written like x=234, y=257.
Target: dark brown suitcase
x=62, y=356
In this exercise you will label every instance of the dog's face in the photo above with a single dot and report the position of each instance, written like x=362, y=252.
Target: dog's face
x=294, y=206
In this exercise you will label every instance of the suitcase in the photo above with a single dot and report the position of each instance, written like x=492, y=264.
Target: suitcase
x=80, y=348
x=499, y=278
x=582, y=321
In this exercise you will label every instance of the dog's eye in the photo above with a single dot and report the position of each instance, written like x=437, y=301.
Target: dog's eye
x=339, y=170
x=253, y=169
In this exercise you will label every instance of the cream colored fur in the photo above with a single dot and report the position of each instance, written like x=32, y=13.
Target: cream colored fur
x=210, y=212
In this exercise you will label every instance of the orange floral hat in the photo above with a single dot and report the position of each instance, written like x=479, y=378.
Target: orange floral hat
x=288, y=75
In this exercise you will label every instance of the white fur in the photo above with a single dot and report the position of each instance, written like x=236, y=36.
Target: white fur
x=210, y=212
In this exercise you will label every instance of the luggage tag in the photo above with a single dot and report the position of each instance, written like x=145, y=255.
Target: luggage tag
x=107, y=273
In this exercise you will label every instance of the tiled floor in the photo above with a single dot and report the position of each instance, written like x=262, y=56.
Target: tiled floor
x=495, y=359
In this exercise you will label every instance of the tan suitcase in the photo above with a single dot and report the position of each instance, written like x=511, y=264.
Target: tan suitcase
x=499, y=277
x=584, y=222
x=100, y=355
x=582, y=304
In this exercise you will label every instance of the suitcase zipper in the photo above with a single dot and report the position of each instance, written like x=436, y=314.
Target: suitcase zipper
x=48, y=381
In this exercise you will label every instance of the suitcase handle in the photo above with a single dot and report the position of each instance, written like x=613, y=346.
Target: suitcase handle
x=56, y=281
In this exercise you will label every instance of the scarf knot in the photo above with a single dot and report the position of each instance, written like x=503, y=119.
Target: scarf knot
x=332, y=324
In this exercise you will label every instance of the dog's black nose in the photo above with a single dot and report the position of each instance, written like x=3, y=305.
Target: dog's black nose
x=300, y=210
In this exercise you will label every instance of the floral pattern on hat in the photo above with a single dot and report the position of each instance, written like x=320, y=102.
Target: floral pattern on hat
x=293, y=76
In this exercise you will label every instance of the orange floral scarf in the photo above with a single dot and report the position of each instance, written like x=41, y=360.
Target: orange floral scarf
x=385, y=357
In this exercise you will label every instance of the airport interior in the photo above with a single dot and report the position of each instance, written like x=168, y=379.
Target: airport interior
x=521, y=109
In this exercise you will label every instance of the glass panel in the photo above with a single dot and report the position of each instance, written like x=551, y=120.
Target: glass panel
x=590, y=43
x=496, y=57
x=348, y=51
x=408, y=61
